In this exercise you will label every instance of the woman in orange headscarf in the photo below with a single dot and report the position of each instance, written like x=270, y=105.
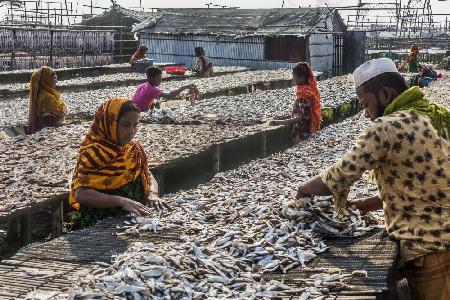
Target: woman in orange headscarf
x=306, y=116
x=140, y=53
x=112, y=173
x=47, y=109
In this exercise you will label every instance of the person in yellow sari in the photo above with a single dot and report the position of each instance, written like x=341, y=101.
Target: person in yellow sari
x=47, y=109
x=111, y=174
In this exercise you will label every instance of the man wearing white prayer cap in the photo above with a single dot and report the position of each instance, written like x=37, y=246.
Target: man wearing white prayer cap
x=407, y=148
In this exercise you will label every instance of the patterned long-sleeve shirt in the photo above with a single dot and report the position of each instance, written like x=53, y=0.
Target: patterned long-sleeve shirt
x=300, y=130
x=203, y=66
x=412, y=166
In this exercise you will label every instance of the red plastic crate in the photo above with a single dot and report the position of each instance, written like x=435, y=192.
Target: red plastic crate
x=175, y=70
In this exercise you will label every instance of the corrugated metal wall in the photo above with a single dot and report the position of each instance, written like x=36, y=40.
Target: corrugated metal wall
x=321, y=52
x=227, y=51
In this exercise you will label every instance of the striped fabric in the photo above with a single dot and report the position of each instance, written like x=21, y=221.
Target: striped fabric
x=104, y=165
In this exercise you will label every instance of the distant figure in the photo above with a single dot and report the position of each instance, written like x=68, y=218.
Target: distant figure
x=445, y=63
x=112, y=175
x=141, y=53
x=413, y=60
x=306, y=115
x=424, y=78
x=203, y=65
x=47, y=109
x=148, y=92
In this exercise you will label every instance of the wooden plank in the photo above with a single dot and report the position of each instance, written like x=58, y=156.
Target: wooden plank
x=7, y=295
x=25, y=228
x=13, y=234
x=57, y=219
x=263, y=144
x=216, y=159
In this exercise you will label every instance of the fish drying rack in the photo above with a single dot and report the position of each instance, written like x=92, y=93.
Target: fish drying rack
x=176, y=174
x=51, y=266
x=65, y=74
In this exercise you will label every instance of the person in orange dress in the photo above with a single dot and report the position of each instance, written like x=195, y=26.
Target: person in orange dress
x=306, y=116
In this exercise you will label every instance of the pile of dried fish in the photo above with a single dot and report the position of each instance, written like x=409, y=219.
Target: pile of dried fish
x=187, y=271
x=249, y=109
x=14, y=112
x=237, y=228
x=112, y=79
x=84, y=104
x=38, y=166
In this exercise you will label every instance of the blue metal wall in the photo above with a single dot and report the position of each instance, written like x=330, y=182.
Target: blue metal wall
x=224, y=51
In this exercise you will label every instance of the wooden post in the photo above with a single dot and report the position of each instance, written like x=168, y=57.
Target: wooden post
x=13, y=52
x=12, y=235
x=61, y=13
x=160, y=180
x=51, y=49
x=337, y=114
x=84, y=49
x=216, y=159
x=25, y=228
x=36, y=15
x=57, y=219
x=12, y=13
x=121, y=40
x=263, y=144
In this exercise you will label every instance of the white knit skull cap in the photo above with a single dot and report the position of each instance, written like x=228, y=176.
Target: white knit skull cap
x=372, y=68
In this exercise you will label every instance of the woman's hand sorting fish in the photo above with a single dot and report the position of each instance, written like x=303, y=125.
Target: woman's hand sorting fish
x=156, y=202
x=134, y=207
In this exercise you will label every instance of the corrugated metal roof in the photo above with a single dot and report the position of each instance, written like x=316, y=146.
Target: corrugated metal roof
x=243, y=22
x=114, y=14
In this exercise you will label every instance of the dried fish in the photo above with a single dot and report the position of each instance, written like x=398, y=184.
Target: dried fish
x=250, y=109
x=244, y=228
x=114, y=79
x=84, y=104
x=39, y=166
x=227, y=257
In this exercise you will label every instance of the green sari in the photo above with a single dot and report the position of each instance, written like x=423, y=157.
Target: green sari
x=413, y=66
x=88, y=216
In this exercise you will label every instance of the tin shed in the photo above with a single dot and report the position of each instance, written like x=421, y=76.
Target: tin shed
x=259, y=38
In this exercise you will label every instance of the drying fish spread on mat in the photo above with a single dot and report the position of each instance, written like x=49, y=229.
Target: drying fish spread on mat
x=439, y=91
x=84, y=104
x=237, y=228
x=111, y=79
x=254, y=108
x=38, y=166
x=335, y=91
